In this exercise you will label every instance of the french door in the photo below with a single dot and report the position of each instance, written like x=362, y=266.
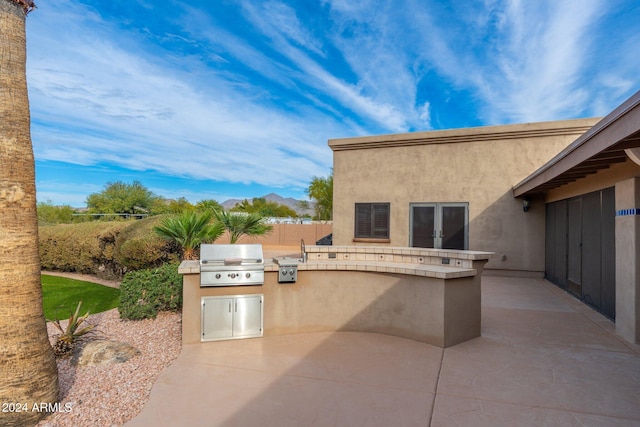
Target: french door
x=439, y=225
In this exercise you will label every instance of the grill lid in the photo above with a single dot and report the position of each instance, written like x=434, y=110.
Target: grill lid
x=231, y=265
x=231, y=255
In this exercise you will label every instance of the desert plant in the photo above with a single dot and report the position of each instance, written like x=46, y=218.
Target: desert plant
x=190, y=230
x=240, y=224
x=66, y=340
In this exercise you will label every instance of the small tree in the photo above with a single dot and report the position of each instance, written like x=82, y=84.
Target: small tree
x=121, y=198
x=180, y=205
x=265, y=208
x=48, y=213
x=208, y=205
x=240, y=224
x=189, y=231
x=320, y=190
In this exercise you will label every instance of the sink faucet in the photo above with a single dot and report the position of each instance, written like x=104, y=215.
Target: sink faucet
x=303, y=252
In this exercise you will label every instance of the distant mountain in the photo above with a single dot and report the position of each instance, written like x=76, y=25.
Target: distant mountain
x=273, y=197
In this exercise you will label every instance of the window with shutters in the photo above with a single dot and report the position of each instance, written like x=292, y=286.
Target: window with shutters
x=372, y=221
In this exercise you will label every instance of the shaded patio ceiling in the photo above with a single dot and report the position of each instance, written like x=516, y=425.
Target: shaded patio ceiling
x=600, y=147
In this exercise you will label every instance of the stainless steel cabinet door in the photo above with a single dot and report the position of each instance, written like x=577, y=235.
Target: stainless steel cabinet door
x=231, y=317
x=217, y=318
x=247, y=316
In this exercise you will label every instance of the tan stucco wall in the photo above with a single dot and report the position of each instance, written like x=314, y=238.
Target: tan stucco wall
x=440, y=312
x=475, y=165
x=627, y=262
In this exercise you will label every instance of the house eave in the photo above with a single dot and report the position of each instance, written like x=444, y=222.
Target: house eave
x=598, y=148
x=465, y=135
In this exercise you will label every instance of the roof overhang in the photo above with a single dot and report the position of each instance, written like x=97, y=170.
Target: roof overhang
x=599, y=148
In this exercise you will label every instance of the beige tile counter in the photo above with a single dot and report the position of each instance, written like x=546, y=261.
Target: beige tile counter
x=438, y=271
x=438, y=263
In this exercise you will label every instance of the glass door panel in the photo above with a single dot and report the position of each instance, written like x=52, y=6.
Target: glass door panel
x=423, y=226
x=454, y=224
x=439, y=225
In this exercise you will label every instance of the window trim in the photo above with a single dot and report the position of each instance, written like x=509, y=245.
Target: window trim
x=372, y=236
x=370, y=240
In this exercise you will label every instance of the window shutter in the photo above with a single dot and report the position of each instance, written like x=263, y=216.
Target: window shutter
x=381, y=220
x=363, y=220
x=372, y=220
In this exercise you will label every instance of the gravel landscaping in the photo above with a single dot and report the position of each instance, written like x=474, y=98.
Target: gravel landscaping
x=111, y=395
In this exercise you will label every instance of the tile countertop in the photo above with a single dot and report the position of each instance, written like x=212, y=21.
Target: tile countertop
x=397, y=250
x=425, y=270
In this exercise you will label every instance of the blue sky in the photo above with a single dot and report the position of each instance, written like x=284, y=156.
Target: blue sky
x=236, y=99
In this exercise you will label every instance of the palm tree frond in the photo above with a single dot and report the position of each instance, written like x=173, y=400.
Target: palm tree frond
x=190, y=230
x=239, y=224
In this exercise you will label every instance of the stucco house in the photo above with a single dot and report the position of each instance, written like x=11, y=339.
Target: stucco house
x=554, y=199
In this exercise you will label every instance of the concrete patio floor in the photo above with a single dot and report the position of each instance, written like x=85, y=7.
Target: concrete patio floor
x=544, y=359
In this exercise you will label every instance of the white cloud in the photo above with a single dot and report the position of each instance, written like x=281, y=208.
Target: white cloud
x=259, y=106
x=384, y=85
x=523, y=61
x=73, y=195
x=281, y=18
x=425, y=114
x=542, y=63
x=105, y=99
x=378, y=47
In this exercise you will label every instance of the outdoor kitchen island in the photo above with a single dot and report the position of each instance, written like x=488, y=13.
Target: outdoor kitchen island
x=429, y=295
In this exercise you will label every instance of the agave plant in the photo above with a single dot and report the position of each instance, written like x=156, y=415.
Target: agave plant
x=65, y=342
x=190, y=230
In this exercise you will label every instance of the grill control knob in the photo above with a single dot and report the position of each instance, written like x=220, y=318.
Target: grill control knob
x=291, y=272
x=217, y=275
x=247, y=275
x=284, y=272
x=232, y=275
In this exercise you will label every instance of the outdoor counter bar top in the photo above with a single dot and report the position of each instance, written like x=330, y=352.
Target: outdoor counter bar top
x=429, y=295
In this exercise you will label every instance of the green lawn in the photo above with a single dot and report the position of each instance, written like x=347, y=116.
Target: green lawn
x=61, y=296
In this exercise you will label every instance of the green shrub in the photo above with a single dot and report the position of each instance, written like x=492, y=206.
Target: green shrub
x=138, y=246
x=145, y=292
x=107, y=249
x=83, y=248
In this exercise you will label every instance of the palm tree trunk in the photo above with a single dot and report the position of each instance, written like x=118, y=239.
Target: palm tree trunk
x=28, y=372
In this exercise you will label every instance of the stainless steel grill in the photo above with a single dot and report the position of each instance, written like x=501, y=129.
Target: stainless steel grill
x=231, y=265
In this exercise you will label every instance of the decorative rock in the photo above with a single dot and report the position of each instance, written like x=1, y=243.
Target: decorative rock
x=103, y=352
